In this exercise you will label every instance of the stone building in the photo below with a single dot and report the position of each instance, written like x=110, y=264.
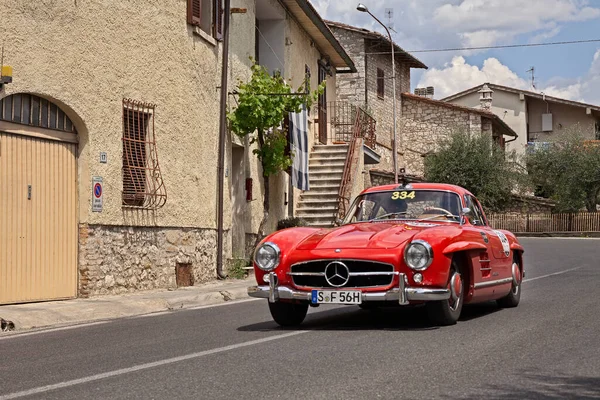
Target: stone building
x=109, y=138
x=371, y=85
x=426, y=122
x=536, y=117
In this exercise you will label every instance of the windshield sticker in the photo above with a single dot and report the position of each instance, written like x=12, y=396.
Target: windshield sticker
x=403, y=195
x=504, y=241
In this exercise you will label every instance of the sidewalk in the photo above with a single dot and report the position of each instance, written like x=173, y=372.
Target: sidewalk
x=69, y=312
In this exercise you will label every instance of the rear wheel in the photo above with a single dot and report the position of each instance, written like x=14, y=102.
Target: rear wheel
x=514, y=297
x=447, y=312
x=288, y=314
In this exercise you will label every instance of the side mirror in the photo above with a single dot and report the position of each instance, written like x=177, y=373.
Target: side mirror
x=465, y=213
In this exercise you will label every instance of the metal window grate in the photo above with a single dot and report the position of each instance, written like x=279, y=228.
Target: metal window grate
x=143, y=186
x=31, y=110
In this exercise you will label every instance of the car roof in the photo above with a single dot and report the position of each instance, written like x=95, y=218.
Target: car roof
x=430, y=186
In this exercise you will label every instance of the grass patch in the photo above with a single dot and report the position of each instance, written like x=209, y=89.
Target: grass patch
x=238, y=268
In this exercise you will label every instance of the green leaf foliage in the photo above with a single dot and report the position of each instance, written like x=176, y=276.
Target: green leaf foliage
x=477, y=164
x=262, y=105
x=568, y=171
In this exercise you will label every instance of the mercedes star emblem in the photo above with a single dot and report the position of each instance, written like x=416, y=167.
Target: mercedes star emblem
x=337, y=274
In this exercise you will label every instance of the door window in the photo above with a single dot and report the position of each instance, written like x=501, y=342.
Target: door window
x=477, y=218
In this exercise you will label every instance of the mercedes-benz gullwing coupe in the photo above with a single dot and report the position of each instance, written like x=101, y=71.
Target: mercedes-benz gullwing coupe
x=401, y=245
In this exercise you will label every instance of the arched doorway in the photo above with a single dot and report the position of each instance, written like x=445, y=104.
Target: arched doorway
x=38, y=201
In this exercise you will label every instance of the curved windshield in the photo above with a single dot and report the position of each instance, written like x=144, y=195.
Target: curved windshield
x=408, y=204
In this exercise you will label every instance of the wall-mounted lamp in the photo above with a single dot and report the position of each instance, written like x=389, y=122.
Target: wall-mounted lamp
x=5, y=75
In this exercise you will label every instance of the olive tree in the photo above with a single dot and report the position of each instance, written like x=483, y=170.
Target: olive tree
x=476, y=163
x=568, y=171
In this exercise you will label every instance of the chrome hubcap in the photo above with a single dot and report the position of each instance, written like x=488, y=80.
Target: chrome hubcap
x=456, y=288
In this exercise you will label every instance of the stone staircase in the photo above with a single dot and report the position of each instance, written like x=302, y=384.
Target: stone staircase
x=319, y=205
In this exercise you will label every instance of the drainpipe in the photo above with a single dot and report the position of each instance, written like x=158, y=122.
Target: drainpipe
x=222, y=138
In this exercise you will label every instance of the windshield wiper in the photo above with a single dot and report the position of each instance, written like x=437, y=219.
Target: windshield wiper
x=388, y=214
x=441, y=215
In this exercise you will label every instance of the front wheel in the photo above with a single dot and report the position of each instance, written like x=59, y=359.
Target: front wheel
x=447, y=312
x=288, y=314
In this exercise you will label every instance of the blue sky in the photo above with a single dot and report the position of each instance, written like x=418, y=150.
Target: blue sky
x=568, y=71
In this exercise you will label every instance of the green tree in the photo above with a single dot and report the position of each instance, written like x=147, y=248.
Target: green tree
x=262, y=105
x=568, y=171
x=476, y=163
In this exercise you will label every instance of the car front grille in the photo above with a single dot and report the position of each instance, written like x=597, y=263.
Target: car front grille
x=361, y=274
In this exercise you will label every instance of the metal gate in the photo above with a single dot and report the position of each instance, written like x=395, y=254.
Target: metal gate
x=38, y=219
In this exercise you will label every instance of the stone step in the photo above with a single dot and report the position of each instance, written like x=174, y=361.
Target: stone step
x=329, y=204
x=315, y=169
x=319, y=192
x=329, y=162
x=325, y=182
x=319, y=157
x=325, y=175
x=333, y=187
x=331, y=150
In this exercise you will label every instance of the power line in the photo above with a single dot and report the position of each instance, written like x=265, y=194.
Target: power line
x=496, y=47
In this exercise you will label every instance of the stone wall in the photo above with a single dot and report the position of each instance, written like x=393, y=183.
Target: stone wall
x=351, y=87
x=425, y=124
x=382, y=108
x=361, y=88
x=118, y=259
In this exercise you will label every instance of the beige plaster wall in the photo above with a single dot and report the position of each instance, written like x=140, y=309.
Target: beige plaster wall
x=509, y=108
x=88, y=56
x=564, y=118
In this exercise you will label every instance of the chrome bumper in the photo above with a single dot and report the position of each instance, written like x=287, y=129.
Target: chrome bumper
x=402, y=294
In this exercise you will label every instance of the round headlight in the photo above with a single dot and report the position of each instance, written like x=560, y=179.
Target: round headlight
x=418, y=255
x=266, y=256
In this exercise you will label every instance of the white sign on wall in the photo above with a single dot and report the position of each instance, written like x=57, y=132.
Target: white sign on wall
x=97, y=193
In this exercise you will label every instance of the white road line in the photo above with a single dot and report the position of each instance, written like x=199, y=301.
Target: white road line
x=141, y=367
x=48, y=330
x=546, y=276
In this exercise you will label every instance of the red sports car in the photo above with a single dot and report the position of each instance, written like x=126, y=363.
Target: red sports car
x=398, y=245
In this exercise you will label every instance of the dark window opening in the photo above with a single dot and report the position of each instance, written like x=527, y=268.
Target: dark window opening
x=380, y=83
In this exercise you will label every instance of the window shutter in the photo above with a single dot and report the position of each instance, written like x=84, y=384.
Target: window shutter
x=194, y=12
x=218, y=19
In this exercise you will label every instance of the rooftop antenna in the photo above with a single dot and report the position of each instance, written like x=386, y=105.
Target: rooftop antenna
x=532, y=70
x=389, y=13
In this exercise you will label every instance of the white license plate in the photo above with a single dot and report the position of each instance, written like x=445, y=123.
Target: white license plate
x=336, y=297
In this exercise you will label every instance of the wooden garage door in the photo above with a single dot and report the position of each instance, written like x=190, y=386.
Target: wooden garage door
x=38, y=219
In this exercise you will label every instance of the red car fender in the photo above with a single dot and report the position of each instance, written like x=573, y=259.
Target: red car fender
x=286, y=240
x=463, y=246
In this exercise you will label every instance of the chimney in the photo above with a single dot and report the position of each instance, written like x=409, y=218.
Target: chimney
x=425, y=92
x=485, y=97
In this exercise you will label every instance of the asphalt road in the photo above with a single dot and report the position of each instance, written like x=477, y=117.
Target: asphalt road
x=547, y=348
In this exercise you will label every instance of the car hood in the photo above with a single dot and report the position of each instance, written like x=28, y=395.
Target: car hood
x=368, y=235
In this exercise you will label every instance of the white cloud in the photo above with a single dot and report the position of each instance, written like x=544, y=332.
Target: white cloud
x=458, y=75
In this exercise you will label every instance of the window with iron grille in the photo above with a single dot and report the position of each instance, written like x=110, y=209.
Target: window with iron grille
x=143, y=186
x=207, y=15
x=380, y=83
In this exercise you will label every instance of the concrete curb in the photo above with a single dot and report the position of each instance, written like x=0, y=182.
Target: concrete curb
x=77, y=311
